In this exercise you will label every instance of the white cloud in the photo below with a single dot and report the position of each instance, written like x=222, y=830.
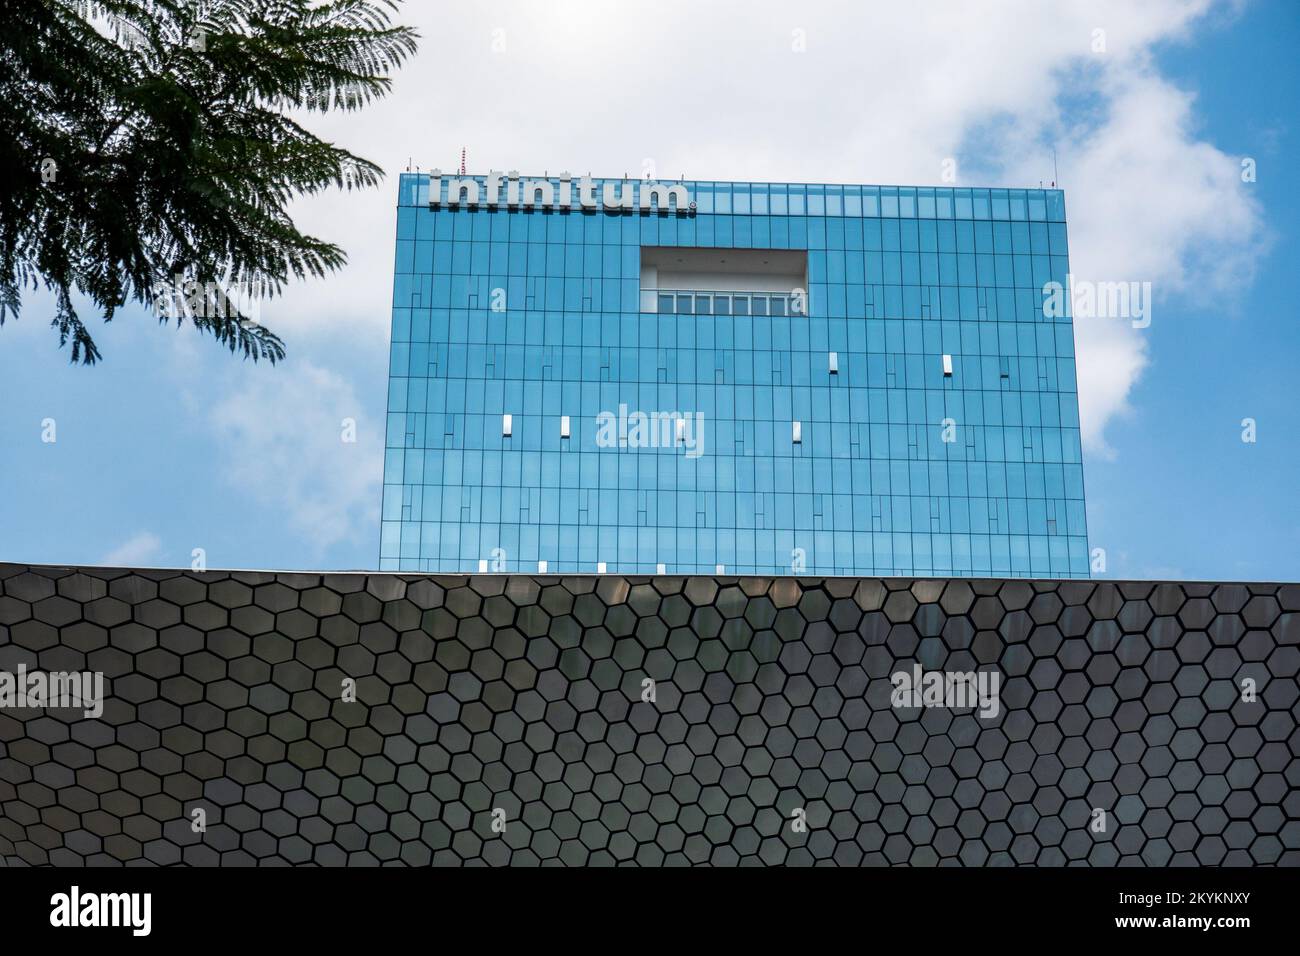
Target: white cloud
x=136, y=551
x=282, y=432
x=1150, y=203
x=883, y=93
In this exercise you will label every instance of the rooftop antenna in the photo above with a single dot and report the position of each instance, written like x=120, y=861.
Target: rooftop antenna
x=1055, y=176
x=462, y=160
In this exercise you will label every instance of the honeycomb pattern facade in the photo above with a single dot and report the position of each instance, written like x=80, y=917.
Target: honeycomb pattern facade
x=501, y=720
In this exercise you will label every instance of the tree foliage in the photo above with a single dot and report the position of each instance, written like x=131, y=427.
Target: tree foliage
x=142, y=140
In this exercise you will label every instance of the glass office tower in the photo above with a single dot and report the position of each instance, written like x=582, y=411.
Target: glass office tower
x=745, y=378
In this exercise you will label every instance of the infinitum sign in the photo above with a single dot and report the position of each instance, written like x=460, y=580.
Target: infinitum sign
x=561, y=193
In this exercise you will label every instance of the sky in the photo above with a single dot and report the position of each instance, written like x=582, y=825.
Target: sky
x=171, y=444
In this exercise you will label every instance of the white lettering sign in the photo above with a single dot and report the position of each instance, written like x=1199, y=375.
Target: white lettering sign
x=508, y=189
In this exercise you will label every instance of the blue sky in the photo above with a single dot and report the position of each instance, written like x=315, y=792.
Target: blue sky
x=172, y=444
x=1183, y=496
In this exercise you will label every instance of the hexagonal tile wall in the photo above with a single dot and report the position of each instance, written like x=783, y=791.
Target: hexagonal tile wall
x=377, y=719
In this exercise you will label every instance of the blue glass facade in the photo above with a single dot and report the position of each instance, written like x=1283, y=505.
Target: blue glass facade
x=904, y=406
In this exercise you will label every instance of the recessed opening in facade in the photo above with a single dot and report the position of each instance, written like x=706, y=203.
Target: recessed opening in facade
x=695, y=281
